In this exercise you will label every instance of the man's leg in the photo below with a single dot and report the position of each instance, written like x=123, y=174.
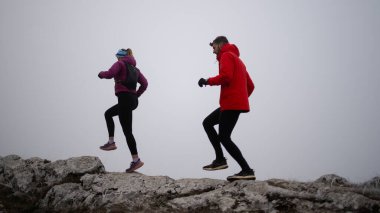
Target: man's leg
x=208, y=123
x=228, y=120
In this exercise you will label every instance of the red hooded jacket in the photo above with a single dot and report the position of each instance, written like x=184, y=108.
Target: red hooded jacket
x=236, y=84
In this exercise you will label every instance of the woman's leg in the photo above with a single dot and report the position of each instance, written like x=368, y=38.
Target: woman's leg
x=111, y=112
x=125, y=116
x=127, y=103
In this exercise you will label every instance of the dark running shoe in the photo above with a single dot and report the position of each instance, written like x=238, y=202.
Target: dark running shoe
x=243, y=175
x=108, y=146
x=134, y=166
x=216, y=165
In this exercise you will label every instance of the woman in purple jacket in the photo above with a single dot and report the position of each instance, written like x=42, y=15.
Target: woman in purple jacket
x=127, y=102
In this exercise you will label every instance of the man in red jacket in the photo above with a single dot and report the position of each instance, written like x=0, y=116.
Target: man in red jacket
x=236, y=87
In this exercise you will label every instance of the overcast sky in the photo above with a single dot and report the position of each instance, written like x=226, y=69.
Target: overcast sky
x=315, y=64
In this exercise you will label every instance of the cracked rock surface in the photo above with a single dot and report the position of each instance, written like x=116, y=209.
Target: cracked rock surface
x=81, y=184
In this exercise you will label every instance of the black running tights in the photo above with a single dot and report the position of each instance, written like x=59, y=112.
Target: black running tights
x=227, y=121
x=127, y=102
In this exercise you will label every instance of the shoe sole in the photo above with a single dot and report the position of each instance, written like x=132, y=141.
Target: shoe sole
x=216, y=168
x=251, y=177
x=108, y=149
x=134, y=169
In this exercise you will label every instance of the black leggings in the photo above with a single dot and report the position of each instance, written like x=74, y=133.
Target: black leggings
x=227, y=121
x=127, y=102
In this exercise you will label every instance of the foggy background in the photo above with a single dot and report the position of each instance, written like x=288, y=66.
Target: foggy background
x=315, y=65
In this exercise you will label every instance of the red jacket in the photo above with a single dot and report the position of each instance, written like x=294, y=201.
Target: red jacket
x=236, y=84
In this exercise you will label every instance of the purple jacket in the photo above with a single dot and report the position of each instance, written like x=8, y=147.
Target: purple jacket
x=118, y=72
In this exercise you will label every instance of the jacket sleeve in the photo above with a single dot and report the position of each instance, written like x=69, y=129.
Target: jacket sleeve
x=226, y=68
x=250, y=85
x=143, y=84
x=112, y=72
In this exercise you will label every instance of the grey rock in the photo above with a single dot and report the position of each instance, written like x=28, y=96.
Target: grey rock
x=67, y=197
x=2, y=208
x=333, y=180
x=239, y=196
x=373, y=183
x=24, y=182
x=82, y=185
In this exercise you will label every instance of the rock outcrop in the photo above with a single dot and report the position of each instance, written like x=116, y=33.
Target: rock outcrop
x=81, y=184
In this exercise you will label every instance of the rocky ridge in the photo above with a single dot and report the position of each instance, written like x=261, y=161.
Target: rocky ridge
x=81, y=184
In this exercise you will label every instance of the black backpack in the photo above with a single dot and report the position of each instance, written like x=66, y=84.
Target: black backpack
x=132, y=76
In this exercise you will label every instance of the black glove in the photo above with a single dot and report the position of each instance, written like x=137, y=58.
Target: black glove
x=202, y=82
x=99, y=76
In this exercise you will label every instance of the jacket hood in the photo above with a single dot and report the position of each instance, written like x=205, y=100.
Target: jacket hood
x=129, y=59
x=228, y=48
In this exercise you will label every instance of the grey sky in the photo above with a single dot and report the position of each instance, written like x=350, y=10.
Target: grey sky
x=315, y=65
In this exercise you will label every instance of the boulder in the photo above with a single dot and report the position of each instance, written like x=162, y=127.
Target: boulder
x=81, y=185
x=24, y=182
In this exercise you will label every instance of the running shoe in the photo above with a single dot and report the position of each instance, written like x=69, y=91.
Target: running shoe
x=108, y=146
x=134, y=166
x=243, y=175
x=216, y=165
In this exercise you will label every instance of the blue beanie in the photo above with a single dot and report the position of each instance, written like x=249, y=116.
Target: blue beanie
x=121, y=53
